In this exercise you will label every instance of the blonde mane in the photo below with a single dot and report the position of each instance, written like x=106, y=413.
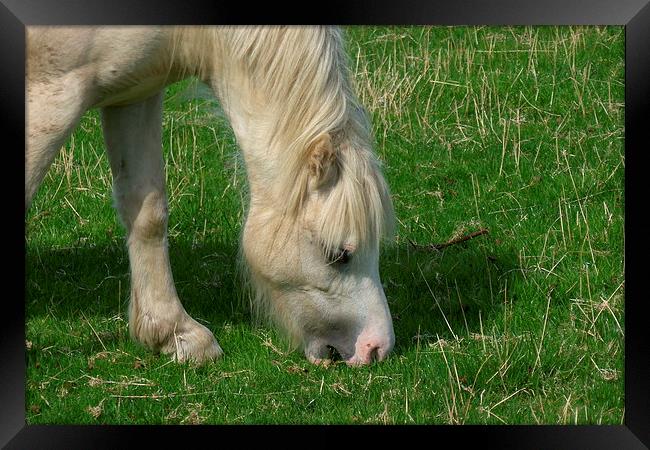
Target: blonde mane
x=302, y=73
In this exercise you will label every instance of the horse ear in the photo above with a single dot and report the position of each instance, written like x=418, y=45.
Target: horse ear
x=322, y=162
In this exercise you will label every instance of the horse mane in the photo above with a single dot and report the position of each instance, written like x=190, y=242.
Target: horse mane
x=303, y=75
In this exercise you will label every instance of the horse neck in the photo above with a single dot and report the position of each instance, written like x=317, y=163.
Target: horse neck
x=280, y=89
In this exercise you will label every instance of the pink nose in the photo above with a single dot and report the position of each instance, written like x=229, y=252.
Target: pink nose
x=371, y=349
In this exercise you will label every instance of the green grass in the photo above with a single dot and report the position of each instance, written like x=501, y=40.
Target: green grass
x=518, y=130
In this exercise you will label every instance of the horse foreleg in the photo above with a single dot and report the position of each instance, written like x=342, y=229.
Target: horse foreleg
x=157, y=318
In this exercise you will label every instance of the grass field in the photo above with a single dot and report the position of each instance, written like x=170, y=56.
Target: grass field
x=518, y=130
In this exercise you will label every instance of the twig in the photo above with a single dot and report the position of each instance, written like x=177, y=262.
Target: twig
x=454, y=241
x=94, y=332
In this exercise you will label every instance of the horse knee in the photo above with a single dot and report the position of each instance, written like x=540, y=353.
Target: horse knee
x=143, y=214
x=151, y=221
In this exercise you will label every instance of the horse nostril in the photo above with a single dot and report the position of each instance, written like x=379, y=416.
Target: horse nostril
x=373, y=355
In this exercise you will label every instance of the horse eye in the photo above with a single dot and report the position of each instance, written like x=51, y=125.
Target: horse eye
x=340, y=256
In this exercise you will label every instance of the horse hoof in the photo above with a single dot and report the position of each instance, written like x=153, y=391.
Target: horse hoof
x=193, y=343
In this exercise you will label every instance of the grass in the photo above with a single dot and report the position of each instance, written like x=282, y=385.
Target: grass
x=515, y=129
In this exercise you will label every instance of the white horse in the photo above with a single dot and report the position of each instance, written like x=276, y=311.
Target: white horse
x=318, y=201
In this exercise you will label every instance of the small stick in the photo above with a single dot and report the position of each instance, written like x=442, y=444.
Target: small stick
x=455, y=241
x=91, y=327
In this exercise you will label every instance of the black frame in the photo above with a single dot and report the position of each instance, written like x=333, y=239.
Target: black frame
x=15, y=15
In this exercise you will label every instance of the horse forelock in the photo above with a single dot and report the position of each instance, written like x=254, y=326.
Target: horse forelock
x=357, y=210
